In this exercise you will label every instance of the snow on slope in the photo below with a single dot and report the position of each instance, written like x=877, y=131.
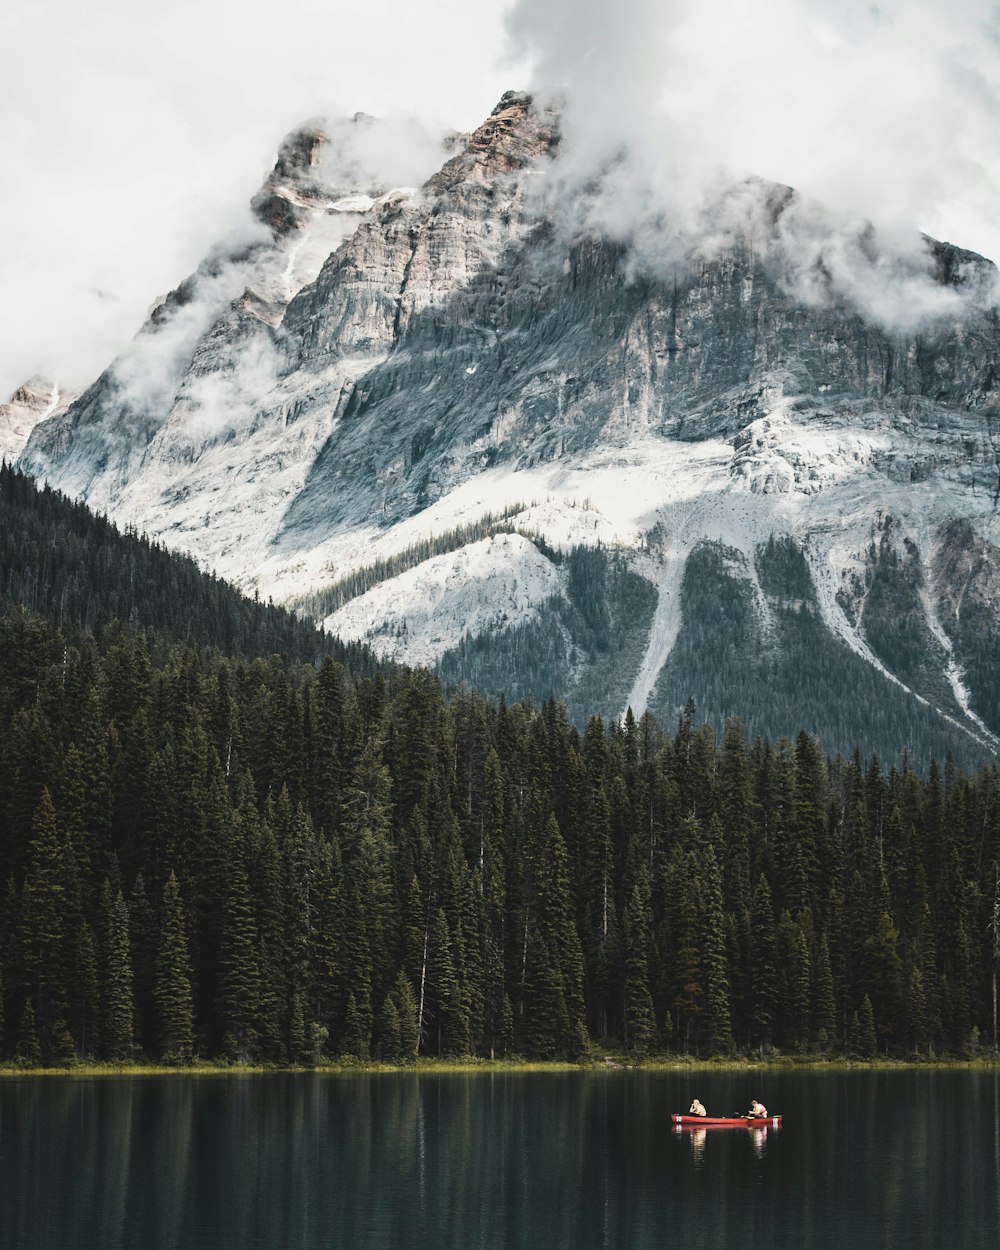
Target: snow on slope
x=289, y=444
x=665, y=574
x=953, y=672
x=30, y=404
x=490, y=585
x=609, y=495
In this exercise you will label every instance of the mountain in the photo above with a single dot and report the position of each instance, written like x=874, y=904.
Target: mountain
x=465, y=424
x=31, y=403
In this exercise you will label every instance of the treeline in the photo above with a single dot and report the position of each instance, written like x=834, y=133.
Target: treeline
x=321, y=603
x=59, y=559
x=259, y=860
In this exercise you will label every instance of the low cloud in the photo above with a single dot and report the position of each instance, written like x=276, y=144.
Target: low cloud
x=367, y=153
x=133, y=138
x=150, y=371
x=213, y=404
x=680, y=118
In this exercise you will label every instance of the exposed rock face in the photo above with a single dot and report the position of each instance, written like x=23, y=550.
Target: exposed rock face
x=293, y=188
x=393, y=364
x=31, y=403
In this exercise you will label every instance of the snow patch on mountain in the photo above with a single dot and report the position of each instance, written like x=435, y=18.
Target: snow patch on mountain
x=495, y=584
x=666, y=574
x=825, y=580
x=953, y=670
x=778, y=453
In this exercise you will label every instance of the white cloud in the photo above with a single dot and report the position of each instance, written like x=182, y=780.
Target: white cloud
x=884, y=112
x=891, y=110
x=132, y=137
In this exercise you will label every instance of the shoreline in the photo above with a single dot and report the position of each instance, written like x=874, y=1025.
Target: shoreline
x=471, y=1067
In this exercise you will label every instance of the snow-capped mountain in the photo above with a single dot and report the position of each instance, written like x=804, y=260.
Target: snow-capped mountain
x=31, y=403
x=469, y=426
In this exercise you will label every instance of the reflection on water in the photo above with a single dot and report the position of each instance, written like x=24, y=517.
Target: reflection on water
x=520, y=1161
x=755, y=1135
x=759, y=1136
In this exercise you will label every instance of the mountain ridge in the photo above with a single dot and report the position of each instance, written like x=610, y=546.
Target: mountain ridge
x=459, y=351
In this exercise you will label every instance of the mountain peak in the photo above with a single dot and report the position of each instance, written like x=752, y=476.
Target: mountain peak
x=32, y=402
x=515, y=135
x=409, y=390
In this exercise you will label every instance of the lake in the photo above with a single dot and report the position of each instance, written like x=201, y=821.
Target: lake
x=329, y=1162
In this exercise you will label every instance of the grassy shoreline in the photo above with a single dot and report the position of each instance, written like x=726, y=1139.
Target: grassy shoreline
x=472, y=1066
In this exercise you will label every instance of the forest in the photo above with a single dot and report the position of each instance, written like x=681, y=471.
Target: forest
x=256, y=860
x=207, y=852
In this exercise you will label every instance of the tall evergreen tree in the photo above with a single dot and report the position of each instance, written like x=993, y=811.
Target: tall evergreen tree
x=239, y=959
x=43, y=937
x=716, y=1018
x=172, y=992
x=85, y=1013
x=640, y=1020
x=117, y=992
x=763, y=963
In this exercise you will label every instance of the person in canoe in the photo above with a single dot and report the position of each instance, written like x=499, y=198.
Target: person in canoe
x=757, y=1111
x=696, y=1108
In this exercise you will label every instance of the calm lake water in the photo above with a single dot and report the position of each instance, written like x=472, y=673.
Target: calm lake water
x=304, y=1162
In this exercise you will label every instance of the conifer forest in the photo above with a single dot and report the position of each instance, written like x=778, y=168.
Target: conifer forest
x=279, y=858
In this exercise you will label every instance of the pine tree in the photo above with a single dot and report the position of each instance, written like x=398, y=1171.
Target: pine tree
x=598, y=916
x=883, y=977
x=268, y=898
x=682, y=939
x=28, y=1049
x=451, y=1025
x=716, y=1019
x=794, y=1009
x=355, y=1041
x=824, y=1007
x=117, y=996
x=172, y=992
x=763, y=963
x=916, y=1012
x=387, y=1035
x=861, y=1040
x=406, y=1015
x=42, y=933
x=85, y=1007
x=493, y=893
x=144, y=934
x=640, y=1019
x=238, y=958
x=561, y=935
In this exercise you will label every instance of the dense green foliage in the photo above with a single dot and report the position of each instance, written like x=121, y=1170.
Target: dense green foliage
x=974, y=628
x=261, y=860
x=203, y=851
x=58, y=559
x=768, y=654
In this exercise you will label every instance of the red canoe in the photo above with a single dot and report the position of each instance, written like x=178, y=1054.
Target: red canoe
x=713, y=1121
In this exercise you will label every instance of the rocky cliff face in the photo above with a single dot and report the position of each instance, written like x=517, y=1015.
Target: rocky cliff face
x=408, y=393
x=30, y=404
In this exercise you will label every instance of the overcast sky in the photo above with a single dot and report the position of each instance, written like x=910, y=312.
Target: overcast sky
x=132, y=134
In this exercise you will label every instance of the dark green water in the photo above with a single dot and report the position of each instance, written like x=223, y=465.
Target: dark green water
x=901, y=1159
